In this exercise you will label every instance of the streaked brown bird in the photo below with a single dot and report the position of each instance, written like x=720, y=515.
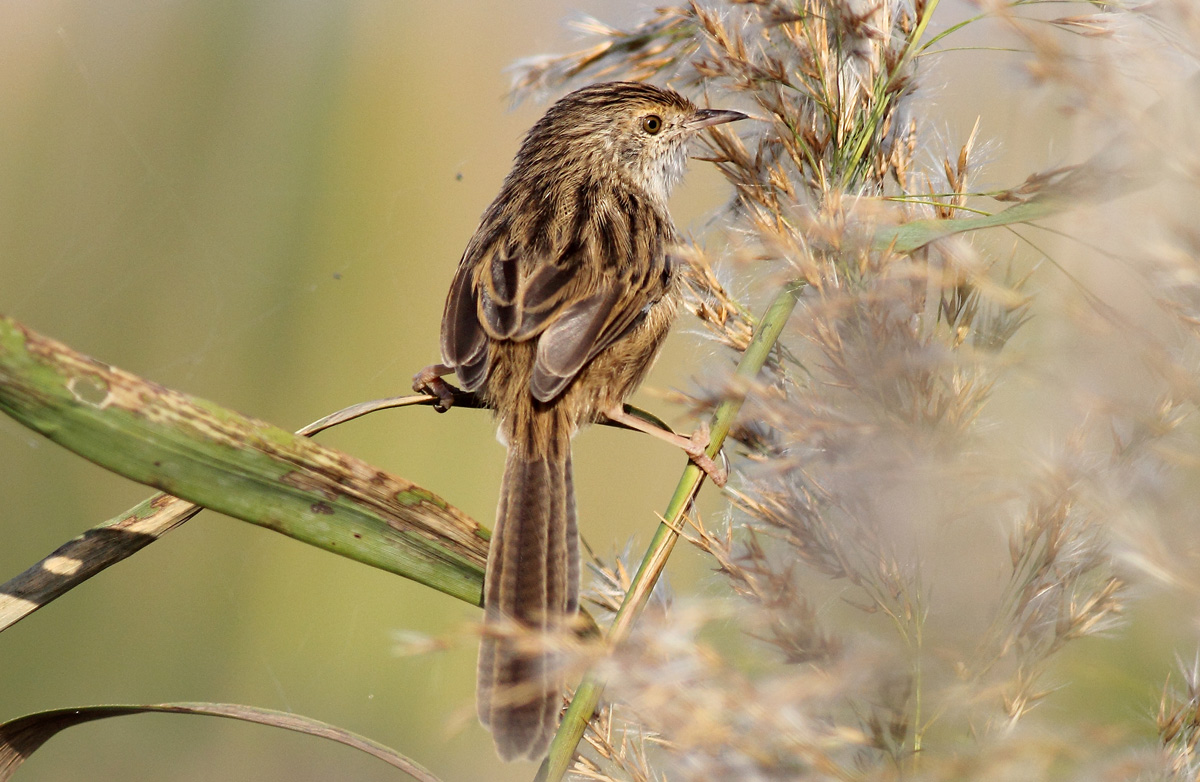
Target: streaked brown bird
x=558, y=308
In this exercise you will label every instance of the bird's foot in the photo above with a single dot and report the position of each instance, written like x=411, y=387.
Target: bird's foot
x=429, y=381
x=696, y=446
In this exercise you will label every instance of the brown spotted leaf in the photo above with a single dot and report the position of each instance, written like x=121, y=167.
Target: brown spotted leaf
x=213, y=457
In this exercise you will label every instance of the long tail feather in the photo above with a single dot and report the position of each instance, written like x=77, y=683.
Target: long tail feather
x=532, y=584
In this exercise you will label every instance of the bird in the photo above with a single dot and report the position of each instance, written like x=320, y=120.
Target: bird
x=556, y=312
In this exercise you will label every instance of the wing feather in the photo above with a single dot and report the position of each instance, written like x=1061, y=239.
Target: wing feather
x=498, y=301
x=567, y=343
x=464, y=343
x=571, y=305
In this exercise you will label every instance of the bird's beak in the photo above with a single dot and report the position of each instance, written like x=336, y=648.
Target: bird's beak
x=708, y=117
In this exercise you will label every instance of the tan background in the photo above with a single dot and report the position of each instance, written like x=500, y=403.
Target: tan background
x=261, y=204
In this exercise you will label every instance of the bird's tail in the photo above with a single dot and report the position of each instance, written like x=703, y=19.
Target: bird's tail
x=531, y=589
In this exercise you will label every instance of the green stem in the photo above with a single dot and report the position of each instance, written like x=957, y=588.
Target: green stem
x=587, y=696
x=918, y=684
x=916, y=234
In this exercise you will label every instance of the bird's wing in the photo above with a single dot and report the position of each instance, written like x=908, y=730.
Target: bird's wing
x=587, y=323
x=464, y=341
x=573, y=306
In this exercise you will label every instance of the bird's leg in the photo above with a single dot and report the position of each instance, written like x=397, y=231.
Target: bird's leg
x=694, y=446
x=429, y=381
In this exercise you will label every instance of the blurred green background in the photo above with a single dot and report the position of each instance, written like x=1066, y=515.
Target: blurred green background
x=261, y=204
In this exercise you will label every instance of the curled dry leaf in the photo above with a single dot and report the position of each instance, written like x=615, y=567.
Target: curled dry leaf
x=23, y=736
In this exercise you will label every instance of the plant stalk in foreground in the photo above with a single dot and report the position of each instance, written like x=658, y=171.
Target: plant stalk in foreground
x=587, y=696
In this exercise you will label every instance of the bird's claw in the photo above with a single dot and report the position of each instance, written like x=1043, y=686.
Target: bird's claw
x=429, y=381
x=695, y=449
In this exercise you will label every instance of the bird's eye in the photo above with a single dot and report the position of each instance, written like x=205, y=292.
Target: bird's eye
x=652, y=124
